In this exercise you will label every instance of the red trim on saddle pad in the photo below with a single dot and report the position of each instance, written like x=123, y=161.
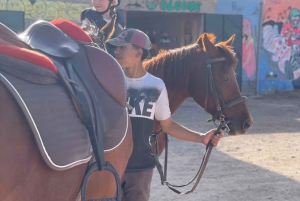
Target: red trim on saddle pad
x=28, y=55
x=72, y=30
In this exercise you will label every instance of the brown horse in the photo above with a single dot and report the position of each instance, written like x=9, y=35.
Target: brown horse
x=185, y=73
x=24, y=175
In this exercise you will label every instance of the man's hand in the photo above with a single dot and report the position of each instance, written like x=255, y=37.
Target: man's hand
x=210, y=136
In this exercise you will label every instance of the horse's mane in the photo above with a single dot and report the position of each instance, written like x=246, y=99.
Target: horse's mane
x=173, y=66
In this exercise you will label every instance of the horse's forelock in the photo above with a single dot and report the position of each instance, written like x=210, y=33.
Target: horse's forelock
x=229, y=54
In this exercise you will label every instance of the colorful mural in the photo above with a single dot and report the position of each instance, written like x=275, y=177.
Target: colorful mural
x=45, y=9
x=190, y=6
x=280, y=53
x=250, y=9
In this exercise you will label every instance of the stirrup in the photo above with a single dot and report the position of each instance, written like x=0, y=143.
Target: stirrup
x=94, y=167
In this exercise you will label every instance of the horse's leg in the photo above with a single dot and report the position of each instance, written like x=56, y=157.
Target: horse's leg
x=23, y=174
x=103, y=184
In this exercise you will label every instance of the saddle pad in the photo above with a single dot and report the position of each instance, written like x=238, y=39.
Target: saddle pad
x=62, y=139
x=27, y=71
x=47, y=38
x=28, y=55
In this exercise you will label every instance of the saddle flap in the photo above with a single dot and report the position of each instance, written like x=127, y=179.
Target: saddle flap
x=58, y=44
x=105, y=68
x=109, y=74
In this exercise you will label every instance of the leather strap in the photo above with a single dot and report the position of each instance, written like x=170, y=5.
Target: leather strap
x=97, y=144
x=198, y=176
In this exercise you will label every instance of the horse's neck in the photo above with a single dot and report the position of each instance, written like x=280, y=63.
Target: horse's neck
x=176, y=98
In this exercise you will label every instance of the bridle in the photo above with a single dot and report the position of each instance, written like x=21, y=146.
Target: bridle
x=217, y=116
x=217, y=95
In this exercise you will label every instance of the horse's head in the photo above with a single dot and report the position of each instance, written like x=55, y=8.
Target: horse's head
x=216, y=88
x=205, y=72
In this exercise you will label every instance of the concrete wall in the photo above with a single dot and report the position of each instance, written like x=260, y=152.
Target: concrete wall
x=46, y=9
x=250, y=9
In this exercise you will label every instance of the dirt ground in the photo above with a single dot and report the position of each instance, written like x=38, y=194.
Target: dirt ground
x=262, y=165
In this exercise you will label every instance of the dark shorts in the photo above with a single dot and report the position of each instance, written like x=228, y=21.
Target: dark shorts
x=136, y=185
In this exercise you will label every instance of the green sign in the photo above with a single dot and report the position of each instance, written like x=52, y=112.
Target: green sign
x=191, y=6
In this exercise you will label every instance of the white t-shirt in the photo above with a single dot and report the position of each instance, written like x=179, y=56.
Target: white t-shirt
x=149, y=98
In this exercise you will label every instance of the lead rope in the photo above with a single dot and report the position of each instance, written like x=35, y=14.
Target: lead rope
x=163, y=174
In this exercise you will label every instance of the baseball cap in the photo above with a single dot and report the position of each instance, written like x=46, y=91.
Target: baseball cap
x=131, y=36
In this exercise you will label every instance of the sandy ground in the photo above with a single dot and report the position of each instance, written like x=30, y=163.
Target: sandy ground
x=262, y=165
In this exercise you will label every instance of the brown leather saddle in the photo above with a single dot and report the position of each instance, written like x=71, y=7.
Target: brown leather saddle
x=43, y=37
x=83, y=70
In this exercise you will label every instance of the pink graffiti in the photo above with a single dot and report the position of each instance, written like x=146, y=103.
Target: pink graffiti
x=248, y=60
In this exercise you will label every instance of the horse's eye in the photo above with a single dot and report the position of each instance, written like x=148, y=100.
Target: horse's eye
x=225, y=79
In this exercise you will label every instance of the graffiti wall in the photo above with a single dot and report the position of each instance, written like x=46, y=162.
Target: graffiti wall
x=280, y=51
x=250, y=9
x=46, y=9
x=190, y=6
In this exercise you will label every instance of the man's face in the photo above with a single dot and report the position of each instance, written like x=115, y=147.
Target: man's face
x=102, y=5
x=127, y=55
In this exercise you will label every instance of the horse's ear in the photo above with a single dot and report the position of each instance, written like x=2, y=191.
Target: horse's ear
x=208, y=46
x=199, y=40
x=229, y=42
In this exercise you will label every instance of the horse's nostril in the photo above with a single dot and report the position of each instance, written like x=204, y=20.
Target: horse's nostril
x=247, y=124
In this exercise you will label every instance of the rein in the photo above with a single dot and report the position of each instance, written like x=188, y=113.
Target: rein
x=210, y=83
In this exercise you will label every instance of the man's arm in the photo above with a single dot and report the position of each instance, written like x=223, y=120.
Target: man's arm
x=178, y=131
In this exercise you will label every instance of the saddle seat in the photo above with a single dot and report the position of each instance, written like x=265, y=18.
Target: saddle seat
x=48, y=40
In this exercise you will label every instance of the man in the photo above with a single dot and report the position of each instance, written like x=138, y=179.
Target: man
x=148, y=97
